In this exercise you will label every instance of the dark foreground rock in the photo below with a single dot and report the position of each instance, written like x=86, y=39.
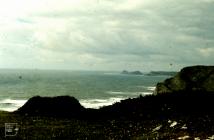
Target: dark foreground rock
x=148, y=107
x=52, y=106
x=195, y=78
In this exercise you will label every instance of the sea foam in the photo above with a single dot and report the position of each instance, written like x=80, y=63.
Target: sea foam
x=97, y=103
x=130, y=93
x=11, y=104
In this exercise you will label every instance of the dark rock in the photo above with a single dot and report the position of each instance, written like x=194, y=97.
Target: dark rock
x=52, y=106
x=161, y=106
x=195, y=78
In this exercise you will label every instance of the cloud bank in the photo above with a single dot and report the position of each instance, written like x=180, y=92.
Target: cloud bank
x=106, y=34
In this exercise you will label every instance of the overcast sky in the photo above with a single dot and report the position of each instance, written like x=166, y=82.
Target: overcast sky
x=106, y=34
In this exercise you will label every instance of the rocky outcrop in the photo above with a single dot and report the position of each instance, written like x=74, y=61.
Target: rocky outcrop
x=52, y=106
x=194, y=78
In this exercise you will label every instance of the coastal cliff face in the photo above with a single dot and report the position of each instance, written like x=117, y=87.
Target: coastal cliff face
x=195, y=78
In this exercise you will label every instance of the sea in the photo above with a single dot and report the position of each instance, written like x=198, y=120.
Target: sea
x=93, y=89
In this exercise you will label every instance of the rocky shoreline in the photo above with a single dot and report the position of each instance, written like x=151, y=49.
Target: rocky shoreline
x=183, y=113
x=165, y=116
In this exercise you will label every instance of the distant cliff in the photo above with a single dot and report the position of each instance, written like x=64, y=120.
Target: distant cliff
x=170, y=73
x=194, y=78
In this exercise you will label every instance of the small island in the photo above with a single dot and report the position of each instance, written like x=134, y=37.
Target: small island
x=132, y=72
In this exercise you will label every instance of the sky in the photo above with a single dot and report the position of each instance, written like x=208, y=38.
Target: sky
x=106, y=34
